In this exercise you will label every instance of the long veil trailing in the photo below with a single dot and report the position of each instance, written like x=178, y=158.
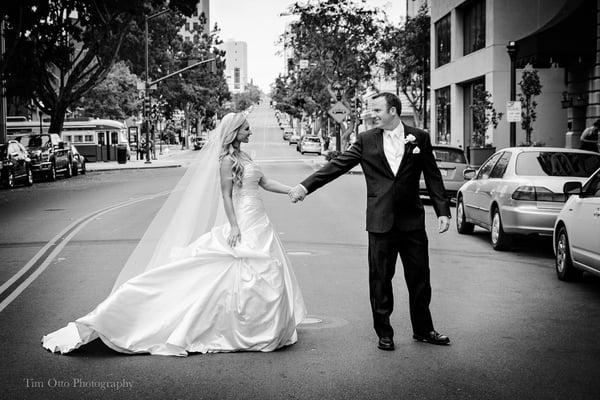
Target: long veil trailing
x=194, y=206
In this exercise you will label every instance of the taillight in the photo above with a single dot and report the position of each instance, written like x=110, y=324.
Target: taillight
x=537, y=193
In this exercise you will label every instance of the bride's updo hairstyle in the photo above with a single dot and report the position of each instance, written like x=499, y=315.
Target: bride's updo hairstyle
x=230, y=125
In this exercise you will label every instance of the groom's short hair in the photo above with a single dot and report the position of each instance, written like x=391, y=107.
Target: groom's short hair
x=391, y=100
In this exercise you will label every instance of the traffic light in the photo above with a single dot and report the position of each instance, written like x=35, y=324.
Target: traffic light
x=147, y=103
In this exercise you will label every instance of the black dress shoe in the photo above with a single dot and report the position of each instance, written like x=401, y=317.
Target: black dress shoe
x=432, y=337
x=386, y=343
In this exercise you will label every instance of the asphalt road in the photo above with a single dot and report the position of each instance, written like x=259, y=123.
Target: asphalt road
x=517, y=332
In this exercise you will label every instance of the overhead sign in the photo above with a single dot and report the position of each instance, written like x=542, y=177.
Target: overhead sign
x=513, y=111
x=339, y=111
x=303, y=64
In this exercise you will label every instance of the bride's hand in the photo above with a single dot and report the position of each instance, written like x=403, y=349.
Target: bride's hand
x=234, y=236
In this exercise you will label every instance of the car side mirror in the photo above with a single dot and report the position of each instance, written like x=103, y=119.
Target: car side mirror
x=570, y=188
x=469, y=173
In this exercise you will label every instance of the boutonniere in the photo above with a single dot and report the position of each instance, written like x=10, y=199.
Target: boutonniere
x=412, y=139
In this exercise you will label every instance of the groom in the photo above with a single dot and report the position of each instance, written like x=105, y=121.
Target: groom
x=392, y=157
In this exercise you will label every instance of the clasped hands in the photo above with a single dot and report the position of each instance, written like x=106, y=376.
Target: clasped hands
x=297, y=193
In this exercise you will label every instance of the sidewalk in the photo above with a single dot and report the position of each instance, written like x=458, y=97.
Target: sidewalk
x=172, y=157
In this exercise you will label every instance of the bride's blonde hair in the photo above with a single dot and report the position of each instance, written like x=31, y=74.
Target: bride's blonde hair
x=232, y=123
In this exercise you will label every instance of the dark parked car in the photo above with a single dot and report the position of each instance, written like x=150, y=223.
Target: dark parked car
x=15, y=164
x=78, y=161
x=199, y=142
x=49, y=155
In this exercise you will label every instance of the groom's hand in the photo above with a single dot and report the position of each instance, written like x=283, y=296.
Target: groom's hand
x=443, y=223
x=297, y=193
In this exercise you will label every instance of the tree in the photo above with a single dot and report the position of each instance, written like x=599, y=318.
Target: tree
x=484, y=115
x=116, y=97
x=340, y=41
x=530, y=87
x=71, y=45
x=247, y=98
x=406, y=60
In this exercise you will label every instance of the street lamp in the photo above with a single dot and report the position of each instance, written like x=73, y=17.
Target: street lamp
x=511, y=48
x=147, y=84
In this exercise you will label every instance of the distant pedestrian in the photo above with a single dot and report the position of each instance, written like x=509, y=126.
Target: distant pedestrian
x=589, y=137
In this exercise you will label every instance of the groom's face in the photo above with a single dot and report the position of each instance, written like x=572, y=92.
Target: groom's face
x=384, y=119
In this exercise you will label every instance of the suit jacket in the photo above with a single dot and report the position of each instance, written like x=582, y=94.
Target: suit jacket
x=390, y=199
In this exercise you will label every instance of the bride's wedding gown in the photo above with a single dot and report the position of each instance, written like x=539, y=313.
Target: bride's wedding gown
x=213, y=298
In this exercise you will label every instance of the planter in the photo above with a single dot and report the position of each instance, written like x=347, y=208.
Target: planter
x=478, y=155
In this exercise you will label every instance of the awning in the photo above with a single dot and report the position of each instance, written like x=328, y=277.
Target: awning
x=568, y=38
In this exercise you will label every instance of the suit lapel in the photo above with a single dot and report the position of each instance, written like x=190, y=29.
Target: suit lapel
x=381, y=152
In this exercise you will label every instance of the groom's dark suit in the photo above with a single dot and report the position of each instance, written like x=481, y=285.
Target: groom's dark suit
x=395, y=219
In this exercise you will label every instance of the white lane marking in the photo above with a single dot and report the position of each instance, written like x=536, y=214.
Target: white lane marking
x=82, y=222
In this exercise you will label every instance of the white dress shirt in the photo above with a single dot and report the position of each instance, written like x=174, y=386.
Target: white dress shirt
x=393, y=146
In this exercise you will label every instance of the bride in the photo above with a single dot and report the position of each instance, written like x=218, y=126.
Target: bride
x=210, y=273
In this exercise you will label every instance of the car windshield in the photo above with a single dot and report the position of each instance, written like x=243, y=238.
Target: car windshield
x=449, y=155
x=556, y=163
x=35, y=141
x=311, y=139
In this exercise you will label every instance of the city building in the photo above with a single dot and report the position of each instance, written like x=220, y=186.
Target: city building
x=413, y=6
x=236, y=65
x=469, y=42
x=198, y=23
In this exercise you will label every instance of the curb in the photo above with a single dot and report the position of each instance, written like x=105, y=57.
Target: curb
x=133, y=168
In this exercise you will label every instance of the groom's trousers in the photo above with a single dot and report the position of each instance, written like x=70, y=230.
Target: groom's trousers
x=383, y=253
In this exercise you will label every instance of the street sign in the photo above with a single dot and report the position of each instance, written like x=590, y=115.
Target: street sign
x=153, y=115
x=303, y=64
x=513, y=111
x=339, y=111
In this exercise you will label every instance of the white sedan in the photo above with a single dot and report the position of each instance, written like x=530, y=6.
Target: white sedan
x=577, y=230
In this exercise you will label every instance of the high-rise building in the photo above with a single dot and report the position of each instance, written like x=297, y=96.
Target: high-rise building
x=198, y=23
x=236, y=65
x=470, y=41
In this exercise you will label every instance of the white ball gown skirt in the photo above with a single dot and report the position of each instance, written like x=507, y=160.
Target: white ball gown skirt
x=214, y=298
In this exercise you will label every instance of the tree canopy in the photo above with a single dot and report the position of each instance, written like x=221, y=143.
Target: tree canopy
x=61, y=49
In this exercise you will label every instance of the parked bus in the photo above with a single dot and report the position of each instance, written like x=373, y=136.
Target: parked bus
x=96, y=139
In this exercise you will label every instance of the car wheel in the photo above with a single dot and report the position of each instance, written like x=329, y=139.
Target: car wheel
x=69, y=170
x=9, y=181
x=75, y=171
x=462, y=226
x=83, y=170
x=564, y=264
x=52, y=173
x=29, y=177
x=500, y=240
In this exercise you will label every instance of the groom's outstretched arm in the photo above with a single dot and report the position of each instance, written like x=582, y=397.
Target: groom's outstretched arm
x=336, y=167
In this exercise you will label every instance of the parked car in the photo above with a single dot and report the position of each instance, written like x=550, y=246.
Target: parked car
x=287, y=133
x=451, y=162
x=310, y=144
x=577, y=230
x=199, y=142
x=78, y=161
x=15, y=164
x=49, y=155
x=294, y=138
x=519, y=190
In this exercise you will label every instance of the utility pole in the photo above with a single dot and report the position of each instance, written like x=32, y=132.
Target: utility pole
x=3, y=138
x=512, y=52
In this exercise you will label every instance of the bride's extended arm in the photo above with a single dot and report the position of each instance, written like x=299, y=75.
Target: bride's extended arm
x=273, y=186
x=226, y=191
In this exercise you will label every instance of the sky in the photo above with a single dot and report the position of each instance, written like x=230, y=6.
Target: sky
x=258, y=23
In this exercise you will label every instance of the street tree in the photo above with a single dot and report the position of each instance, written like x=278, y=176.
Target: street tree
x=530, y=87
x=335, y=45
x=406, y=56
x=71, y=45
x=116, y=97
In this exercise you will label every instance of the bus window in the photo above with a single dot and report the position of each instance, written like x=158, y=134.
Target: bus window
x=89, y=138
x=114, y=137
x=68, y=138
x=78, y=138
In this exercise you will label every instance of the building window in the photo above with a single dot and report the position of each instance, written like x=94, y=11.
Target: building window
x=236, y=78
x=474, y=26
x=442, y=40
x=442, y=117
